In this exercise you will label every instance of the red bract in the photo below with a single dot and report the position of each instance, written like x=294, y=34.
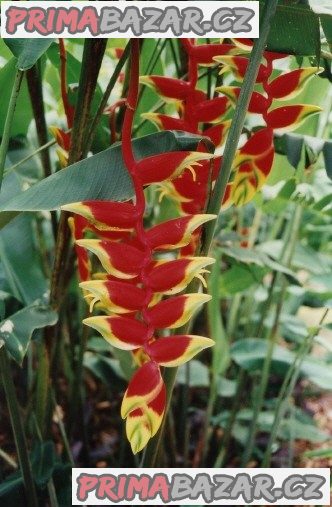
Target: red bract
x=131, y=289
x=253, y=162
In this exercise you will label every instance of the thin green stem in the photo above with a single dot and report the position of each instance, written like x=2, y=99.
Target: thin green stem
x=222, y=180
x=221, y=456
x=238, y=119
x=9, y=120
x=18, y=429
x=287, y=388
x=286, y=258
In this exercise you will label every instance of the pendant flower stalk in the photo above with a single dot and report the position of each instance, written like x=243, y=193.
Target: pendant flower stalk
x=134, y=314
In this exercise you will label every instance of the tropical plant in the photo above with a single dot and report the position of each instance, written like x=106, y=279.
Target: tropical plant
x=129, y=170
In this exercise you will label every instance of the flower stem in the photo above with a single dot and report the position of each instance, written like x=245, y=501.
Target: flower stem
x=18, y=429
x=287, y=388
x=221, y=183
x=238, y=120
x=286, y=257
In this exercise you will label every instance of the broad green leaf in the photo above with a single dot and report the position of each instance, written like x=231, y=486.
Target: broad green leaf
x=327, y=152
x=318, y=453
x=102, y=176
x=199, y=374
x=260, y=259
x=22, y=265
x=16, y=330
x=304, y=256
x=288, y=27
x=249, y=353
x=28, y=51
x=12, y=490
x=239, y=278
x=298, y=427
x=226, y=387
x=326, y=21
x=107, y=370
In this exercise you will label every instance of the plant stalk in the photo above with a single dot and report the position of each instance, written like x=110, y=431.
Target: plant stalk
x=18, y=429
x=287, y=388
x=103, y=103
x=221, y=182
x=286, y=257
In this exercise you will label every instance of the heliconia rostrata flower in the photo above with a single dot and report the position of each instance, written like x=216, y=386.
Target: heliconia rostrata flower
x=134, y=314
x=139, y=295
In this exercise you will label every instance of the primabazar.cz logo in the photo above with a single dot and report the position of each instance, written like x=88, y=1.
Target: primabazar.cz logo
x=197, y=486
x=147, y=19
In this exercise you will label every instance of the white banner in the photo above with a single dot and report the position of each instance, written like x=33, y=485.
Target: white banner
x=201, y=486
x=35, y=19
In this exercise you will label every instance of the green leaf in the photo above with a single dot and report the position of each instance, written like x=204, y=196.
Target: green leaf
x=297, y=427
x=102, y=176
x=288, y=27
x=291, y=145
x=12, y=490
x=327, y=152
x=199, y=374
x=16, y=330
x=107, y=370
x=249, y=353
x=22, y=265
x=239, y=278
x=253, y=257
x=318, y=453
x=28, y=51
x=43, y=459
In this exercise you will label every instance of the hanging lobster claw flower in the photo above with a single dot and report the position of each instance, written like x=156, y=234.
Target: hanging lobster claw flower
x=118, y=259
x=143, y=388
x=141, y=425
x=167, y=166
x=117, y=297
x=77, y=226
x=164, y=122
x=210, y=111
x=176, y=350
x=106, y=215
x=258, y=103
x=121, y=332
x=290, y=84
x=289, y=117
x=176, y=311
x=171, y=277
x=168, y=87
x=217, y=133
x=238, y=65
x=175, y=233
